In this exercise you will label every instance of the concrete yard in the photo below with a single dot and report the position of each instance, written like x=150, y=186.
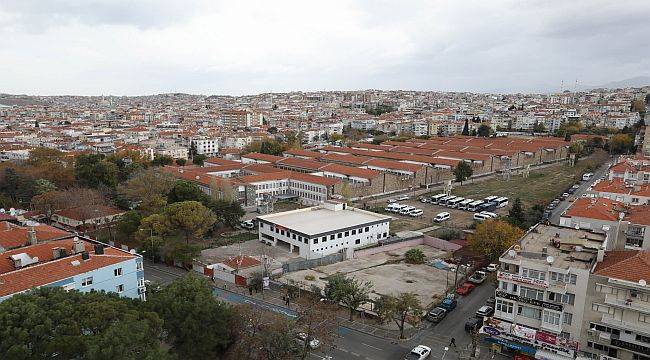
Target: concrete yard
x=253, y=248
x=387, y=271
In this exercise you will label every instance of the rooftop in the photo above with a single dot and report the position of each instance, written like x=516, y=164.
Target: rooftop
x=628, y=265
x=596, y=208
x=568, y=247
x=319, y=219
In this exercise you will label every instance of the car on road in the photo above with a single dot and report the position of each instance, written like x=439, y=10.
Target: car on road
x=301, y=337
x=565, y=196
x=484, y=311
x=449, y=304
x=436, y=314
x=465, y=289
x=473, y=324
x=492, y=267
x=402, y=197
x=587, y=176
x=442, y=217
x=419, y=352
x=478, y=277
x=390, y=201
x=247, y=224
x=416, y=213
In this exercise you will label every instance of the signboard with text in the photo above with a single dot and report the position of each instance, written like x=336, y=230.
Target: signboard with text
x=523, y=280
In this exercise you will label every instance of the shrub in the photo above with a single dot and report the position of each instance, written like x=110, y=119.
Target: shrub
x=414, y=256
x=310, y=277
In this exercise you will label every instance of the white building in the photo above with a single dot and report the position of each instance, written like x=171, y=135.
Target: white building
x=206, y=146
x=322, y=230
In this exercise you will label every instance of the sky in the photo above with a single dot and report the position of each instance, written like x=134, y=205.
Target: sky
x=94, y=47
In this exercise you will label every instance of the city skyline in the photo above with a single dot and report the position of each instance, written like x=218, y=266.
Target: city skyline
x=90, y=48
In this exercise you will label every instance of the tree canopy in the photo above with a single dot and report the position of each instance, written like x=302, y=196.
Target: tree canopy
x=463, y=171
x=347, y=290
x=492, y=237
x=93, y=170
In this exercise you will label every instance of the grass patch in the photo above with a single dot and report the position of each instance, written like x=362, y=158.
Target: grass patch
x=233, y=239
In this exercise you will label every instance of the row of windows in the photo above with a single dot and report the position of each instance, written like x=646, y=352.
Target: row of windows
x=324, y=238
x=565, y=278
x=549, y=317
x=537, y=294
x=533, y=274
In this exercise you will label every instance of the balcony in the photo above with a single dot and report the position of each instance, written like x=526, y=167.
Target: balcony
x=631, y=304
x=639, y=328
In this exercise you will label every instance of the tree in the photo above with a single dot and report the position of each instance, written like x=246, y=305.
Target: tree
x=162, y=160
x=415, y=256
x=484, y=131
x=148, y=188
x=463, y=171
x=316, y=320
x=466, y=128
x=621, y=144
x=492, y=237
x=48, y=203
x=190, y=218
x=184, y=190
x=181, y=162
x=401, y=309
x=517, y=215
x=349, y=291
x=128, y=225
x=42, y=186
x=52, y=323
x=17, y=187
x=92, y=170
x=261, y=335
x=230, y=212
x=151, y=234
x=196, y=324
x=52, y=165
x=199, y=159
x=539, y=127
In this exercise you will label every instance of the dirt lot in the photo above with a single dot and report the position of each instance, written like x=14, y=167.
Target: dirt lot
x=254, y=248
x=387, y=272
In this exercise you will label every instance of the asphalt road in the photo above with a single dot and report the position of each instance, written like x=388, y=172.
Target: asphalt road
x=564, y=205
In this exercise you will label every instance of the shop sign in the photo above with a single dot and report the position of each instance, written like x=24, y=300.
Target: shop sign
x=544, y=304
x=521, y=279
x=492, y=331
x=546, y=337
x=524, y=332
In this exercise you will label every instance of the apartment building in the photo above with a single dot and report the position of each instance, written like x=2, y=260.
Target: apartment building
x=205, y=146
x=73, y=263
x=617, y=314
x=323, y=230
x=637, y=228
x=541, y=295
x=239, y=119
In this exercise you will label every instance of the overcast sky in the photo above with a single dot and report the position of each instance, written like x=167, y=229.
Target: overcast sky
x=91, y=47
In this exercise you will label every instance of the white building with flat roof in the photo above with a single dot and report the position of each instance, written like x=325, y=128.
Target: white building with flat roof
x=323, y=230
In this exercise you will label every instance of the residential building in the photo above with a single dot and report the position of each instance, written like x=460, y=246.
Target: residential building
x=206, y=146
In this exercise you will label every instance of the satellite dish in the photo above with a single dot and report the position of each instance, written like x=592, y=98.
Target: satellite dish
x=550, y=259
x=642, y=282
x=512, y=253
x=517, y=248
x=2, y=210
x=197, y=177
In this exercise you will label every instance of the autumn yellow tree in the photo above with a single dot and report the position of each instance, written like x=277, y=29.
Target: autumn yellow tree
x=492, y=237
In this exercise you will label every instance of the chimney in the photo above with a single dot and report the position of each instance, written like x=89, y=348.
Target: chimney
x=31, y=234
x=78, y=246
x=99, y=249
x=600, y=256
x=85, y=256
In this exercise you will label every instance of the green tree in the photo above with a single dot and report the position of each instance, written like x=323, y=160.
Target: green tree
x=196, y=324
x=190, y=218
x=181, y=162
x=128, y=225
x=148, y=189
x=492, y=237
x=621, y=144
x=466, y=128
x=261, y=335
x=52, y=323
x=199, y=159
x=415, y=256
x=401, y=309
x=184, y=190
x=349, y=291
x=484, y=131
x=42, y=186
x=539, y=127
x=17, y=187
x=162, y=160
x=517, y=215
x=230, y=212
x=463, y=171
x=92, y=170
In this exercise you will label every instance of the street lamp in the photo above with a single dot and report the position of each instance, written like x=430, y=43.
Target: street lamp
x=445, y=353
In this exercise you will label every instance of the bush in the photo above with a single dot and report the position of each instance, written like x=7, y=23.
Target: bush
x=310, y=277
x=450, y=234
x=414, y=256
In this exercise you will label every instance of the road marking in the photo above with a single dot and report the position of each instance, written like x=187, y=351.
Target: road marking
x=370, y=346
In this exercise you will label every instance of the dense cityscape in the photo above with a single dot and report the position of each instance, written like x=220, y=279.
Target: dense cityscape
x=341, y=180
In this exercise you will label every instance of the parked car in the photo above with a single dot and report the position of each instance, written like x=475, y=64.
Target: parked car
x=490, y=214
x=484, y=311
x=478, y=277
x=436, y=314
x=449, y=304
x=565, y=196
x=416, y=213
x=248, y=224
x=390, y=201
x=473, y=324
x=425, y=199
x=492, y=267
x=465, y=289
x=442, y=217
x=419, y=352
x=301, y=337
x=402, y=197
x=480, y=217
x=406, y=210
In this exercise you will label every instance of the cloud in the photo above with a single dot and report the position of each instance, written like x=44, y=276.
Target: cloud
x=243, y=47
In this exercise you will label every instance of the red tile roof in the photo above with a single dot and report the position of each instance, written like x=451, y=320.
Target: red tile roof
x=13, y=236
x=596, y=208
x=241, y=262
x=629, y=265
x=639, y=215
x=262, y=157
x=89, y=212
x=350, y=171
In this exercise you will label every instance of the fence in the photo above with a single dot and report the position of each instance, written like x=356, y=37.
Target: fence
x=422, y=240
x=302, y=264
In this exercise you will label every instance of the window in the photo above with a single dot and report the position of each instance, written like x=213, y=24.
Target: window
x=533, y=274
x=332, y=237
x=339, y=235
x=119, y=288
x=347, y=233
x=293, y=236
x=117, y=272
x=87, y=281
x=323, y=239
x=139, y=265
x=644, y=318
x=504, y=306
x=567, y=318
x=367, y=228
x=316, y=241
x=531, y=293
x=354, y=232
x=529, y=312
x=605, y=309
x=552, y=318
x=643, y=338
x=640, y=357
x=568, y=298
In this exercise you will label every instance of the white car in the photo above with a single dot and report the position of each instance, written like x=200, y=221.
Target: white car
x=406, y=210
x=490, y=214
x=419, y=352
x=390, y=201
x=248, y=224
x=416, y=213
x=403, y=197
x=481, y=217
x=442, y=217
x=492, y=267
x=313, y=342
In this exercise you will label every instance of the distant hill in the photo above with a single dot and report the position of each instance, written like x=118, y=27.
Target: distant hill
x=638, y=81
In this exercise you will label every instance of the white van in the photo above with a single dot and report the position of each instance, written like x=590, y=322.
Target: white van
x=442, y=217
x=436, y=198
x=391, y=207
x=406, y=210
x=490, y=214
x=481, y=217
x=397, y=207
x=587, y=176
x=446, y=199
x=473, y=206
x=465, y=203
x=416, y=213
x=501, y=202
x=490, y=198
x=454, y=203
